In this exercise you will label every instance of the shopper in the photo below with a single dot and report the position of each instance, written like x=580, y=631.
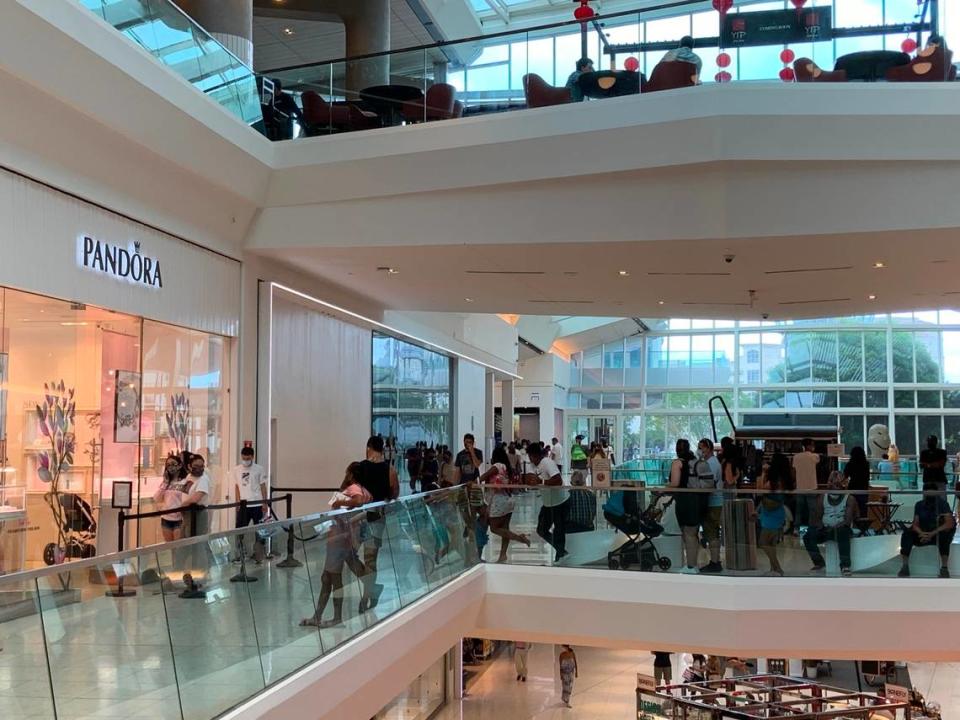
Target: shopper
x=582, y=513
x=521, y=650
x=933, y=461
x=568, y=673
x=773, y=514
x=857, y=473
x=578, y=454
x=687, y=505
x=684, y=53
x=516, y=461
x=341, y=545
x=710, y=474
x=379, y=479
x=469, y=460
x=584, y=65
x=501, y=502
x=556, y=453
x=805, y=479
x=551, y=524
x=662, y=668
x=171, y=494
x=249, y=482
x=199, y=490
x=831, y=518
x=933, y=524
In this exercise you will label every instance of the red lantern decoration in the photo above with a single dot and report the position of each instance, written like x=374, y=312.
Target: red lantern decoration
x=722, y=6
x=583, y=13
x=798, y=4
x=908, y=45
x=631, y=64
x=787, y=56
x=787, y=74
x=723, y=76
x=723, y=60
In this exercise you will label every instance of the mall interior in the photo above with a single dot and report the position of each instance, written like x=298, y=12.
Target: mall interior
x=569, y=242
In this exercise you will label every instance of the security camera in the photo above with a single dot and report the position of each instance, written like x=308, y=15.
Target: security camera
x=729, y=258
x=765, y=316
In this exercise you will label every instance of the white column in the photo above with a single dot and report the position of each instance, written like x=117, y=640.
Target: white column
x=458, y=670
x=488, y=405
x=506, y=410
x=761, y=666
x=795, y=667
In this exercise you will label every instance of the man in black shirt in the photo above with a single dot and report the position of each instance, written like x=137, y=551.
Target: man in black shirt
x=933, y=460
x=933, y=524
x=380, y=479
x=469, y=460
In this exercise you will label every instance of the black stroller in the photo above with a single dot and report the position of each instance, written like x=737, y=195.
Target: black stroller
x=80, y=530
x=622, y=511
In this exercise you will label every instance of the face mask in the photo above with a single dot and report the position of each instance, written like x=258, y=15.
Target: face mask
x=171, y=472
x=701, y=454
x=247, y=463
x=196, y=472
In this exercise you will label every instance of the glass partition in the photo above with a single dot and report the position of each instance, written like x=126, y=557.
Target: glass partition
x=181, y=631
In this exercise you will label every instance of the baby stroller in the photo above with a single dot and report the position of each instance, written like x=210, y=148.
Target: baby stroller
x=623, y=512
x=79, y=528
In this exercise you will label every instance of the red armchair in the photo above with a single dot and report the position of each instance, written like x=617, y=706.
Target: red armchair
x=540, y=93
x=932, y=64
x=320, y=116
x=440, y=104
x=806, y=70
x=671, y=74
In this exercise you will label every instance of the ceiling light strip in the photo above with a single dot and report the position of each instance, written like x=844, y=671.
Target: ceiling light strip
x=814, y=302
x=689, y=274
x=392, y=330
x=807, y=270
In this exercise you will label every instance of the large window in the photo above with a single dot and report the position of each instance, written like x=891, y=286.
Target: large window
x=900, y=370
x=411, y=393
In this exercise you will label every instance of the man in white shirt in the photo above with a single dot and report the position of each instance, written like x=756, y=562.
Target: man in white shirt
x=556, y=453
x=556, y=498
x=805, y=475
x=249, y=482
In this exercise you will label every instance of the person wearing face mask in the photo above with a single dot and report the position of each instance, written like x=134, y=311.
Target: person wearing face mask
x=171, y=494
x=831, y=518
x=249, y=482
x=199, y=490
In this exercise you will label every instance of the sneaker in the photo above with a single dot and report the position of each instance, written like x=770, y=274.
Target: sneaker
x=690, y=571
x=561, y=554
x=904, y=572
x=818, y=570
x=712, y=567
x=846, y=572
x=944, y=572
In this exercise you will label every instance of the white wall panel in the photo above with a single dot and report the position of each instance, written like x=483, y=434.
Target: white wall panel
x=469, y=388
x=38, y=253
x=320, y=369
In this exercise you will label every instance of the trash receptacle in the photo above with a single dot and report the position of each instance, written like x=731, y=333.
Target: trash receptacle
x=739, y=535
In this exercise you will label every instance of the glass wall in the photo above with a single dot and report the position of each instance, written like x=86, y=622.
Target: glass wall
x=412, y=393
x=91, y=397
x=900, y=370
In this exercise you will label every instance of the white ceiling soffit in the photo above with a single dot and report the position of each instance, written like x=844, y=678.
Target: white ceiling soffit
x=616, y=329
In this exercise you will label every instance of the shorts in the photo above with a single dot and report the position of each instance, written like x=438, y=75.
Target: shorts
x=500, y=505
x=171, y=524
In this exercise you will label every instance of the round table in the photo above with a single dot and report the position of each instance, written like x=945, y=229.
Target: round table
x=609, y=83
x=386, y=100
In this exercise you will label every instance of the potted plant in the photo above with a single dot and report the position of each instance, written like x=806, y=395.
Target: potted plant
x=56, y=421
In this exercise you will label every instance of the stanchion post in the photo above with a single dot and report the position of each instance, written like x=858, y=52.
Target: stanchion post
x=289, y=561
x=242, y=575
x=119, y=591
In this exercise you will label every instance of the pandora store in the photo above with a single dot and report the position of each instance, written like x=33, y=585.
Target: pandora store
x=115, y=350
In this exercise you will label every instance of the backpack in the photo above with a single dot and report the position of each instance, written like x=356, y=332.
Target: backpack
x=701, y=475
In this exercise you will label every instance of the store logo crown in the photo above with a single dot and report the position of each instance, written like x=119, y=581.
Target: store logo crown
x=120, y=263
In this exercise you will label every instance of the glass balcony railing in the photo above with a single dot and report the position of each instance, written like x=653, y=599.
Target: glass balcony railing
x=175, y=40
x=182, y=631
x=739, y=532
x=632, y=52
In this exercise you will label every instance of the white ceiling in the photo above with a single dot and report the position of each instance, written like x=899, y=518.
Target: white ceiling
x=315, y=41
x=794, y=277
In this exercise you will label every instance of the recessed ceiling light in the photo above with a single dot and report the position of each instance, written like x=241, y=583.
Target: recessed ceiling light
x=623, y=273
x=469, y=299
x=659, y=302
x=871, y=297
x=288, y=31
x=388, y=270
x=879, y=265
